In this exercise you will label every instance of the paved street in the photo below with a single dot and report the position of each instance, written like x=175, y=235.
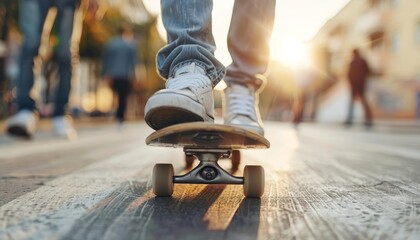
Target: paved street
x=322, y=182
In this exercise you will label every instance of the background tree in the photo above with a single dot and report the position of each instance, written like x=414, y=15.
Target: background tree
x=8, y=16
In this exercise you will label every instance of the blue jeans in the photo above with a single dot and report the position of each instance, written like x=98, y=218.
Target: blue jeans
x=31, y=19
x=190, y=39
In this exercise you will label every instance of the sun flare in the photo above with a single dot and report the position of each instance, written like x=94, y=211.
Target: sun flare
x=290, y=52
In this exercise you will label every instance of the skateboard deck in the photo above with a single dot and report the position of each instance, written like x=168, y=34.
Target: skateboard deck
x=208, y=143
x=200, y=135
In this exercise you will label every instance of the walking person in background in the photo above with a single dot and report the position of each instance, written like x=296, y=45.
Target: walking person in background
x=192, y=71
x=32, y=16
x=303, y=79
x=119, y=64
x=357, y=75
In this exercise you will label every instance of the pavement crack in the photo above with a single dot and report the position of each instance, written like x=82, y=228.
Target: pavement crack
x=378, y=184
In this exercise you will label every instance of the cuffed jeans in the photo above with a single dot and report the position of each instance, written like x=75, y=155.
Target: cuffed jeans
x=31, y=19
x=190, y=39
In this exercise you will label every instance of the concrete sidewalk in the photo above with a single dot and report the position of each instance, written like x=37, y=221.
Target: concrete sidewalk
x=322, y=182
x=44, y=127
x=385, y=125
x=379, y=125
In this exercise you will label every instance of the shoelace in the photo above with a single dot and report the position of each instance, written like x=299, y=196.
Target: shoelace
x=195, y=82
x=242, y=104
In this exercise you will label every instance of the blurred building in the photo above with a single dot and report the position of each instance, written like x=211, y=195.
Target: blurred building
x=388, y=34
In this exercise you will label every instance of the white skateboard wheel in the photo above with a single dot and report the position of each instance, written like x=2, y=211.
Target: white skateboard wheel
x=163, y=183
x=254, y=181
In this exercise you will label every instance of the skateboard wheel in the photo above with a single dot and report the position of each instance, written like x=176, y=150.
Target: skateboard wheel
x=163, y=184
x=236, y=159
x=189, y=161
x=254, y=181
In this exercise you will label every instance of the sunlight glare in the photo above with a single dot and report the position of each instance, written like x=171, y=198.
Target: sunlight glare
x=290, y=52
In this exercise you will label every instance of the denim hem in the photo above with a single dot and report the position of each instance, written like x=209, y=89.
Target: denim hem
x=215, y=75
x=257, y=82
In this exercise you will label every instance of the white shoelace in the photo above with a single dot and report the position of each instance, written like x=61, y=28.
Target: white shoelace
x=198, y=83
x=242, y=104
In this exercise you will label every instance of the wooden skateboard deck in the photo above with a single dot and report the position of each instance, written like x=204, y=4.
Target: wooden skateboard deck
x=199, y=135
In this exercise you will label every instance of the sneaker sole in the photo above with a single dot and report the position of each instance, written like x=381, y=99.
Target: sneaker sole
x=257, y=130
x=167, y=113
x=18, y=131
x=162, y=117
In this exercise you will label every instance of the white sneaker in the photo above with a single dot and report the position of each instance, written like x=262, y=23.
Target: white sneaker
x=22, y=124
x=63, y=127
x=120, y=125
x=240, y=105
x=188, y=97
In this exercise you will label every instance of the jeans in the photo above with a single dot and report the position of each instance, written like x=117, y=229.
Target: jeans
x=190, y=38
x=31, y=19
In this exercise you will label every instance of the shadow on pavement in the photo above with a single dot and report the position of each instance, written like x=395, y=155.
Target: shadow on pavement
x=132, y=212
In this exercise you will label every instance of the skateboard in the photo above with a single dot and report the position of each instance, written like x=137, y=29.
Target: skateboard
x=208, y=143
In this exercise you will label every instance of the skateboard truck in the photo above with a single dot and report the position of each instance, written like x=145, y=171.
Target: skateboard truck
x=208, y=171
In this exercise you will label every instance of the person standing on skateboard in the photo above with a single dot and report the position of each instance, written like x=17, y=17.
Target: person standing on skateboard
x=188, y=64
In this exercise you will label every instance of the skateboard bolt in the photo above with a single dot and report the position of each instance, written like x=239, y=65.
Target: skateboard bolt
x=208, y=173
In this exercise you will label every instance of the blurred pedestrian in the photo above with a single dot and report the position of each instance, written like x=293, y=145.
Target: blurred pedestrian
x=358, y=73
x=192, y=71
x=119, y=64
x=303, y=79
x=32, y=15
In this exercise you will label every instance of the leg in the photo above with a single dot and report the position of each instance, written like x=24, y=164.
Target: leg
x=64, y=28
x=190, y=38
x=349, y=120
x=298, y=108
x=122, y=87
x=188, y=63
x=31, y=18
x=367, y=111
x=248, y=43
